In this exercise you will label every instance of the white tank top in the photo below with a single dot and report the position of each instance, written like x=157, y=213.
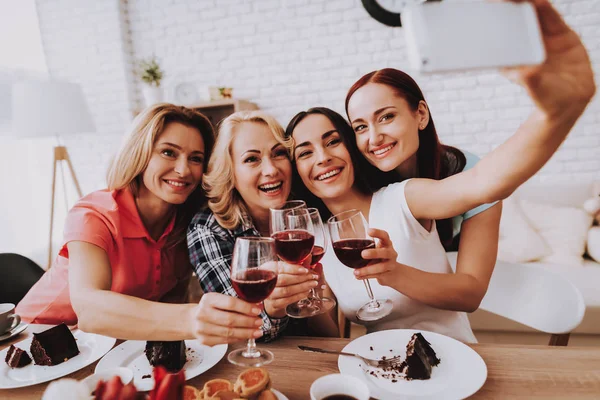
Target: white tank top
x=416, y=247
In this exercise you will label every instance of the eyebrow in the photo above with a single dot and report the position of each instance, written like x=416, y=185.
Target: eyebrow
x=377, y=112
x=179, y=147
x=323, y=136
x=258, y=151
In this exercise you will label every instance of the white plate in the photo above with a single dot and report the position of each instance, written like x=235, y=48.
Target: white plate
x=91, y=348
x=461, y=371
x=14, y=332
x=279, y=395
x=130, y=354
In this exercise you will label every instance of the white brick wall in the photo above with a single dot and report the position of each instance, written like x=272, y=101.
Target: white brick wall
x=285, y=55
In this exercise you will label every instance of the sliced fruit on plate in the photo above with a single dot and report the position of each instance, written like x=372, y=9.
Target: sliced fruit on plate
x=191, y=393
x=252, y=381
x=225, y=395
x=216, y=385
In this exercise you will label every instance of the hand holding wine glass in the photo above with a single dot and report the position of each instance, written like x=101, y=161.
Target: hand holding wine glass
x=253, y=279
x=293, y=283
x=349, y=235
x=293, y=231
x=383, y=265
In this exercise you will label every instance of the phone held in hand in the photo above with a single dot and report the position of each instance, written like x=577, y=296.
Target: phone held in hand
x=451, y=36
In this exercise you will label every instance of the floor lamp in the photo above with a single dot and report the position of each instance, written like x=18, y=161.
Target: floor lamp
x=51, y=108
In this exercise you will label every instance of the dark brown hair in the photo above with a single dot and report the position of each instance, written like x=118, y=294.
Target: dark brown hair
x=434, y=159
x=361, y=167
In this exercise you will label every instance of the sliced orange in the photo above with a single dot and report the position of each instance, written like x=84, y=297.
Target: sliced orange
x=216, y=385
x=252, y=381
x=191, y=393
x=226, y=395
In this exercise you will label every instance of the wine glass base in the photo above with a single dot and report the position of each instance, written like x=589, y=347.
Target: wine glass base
x=260, y=357
x=302, y=309
x=325, y=304
x=368, y=312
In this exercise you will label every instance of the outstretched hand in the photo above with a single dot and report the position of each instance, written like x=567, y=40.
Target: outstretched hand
x=565, y=81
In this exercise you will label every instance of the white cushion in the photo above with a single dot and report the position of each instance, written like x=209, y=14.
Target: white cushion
x=593, y=243
x=586, y=279
x=564, y=229
x=519, y=242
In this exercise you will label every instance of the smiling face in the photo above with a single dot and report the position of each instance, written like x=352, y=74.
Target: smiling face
x=322, y=159
x=386, y=127
x=262, y=168
x=177, y=163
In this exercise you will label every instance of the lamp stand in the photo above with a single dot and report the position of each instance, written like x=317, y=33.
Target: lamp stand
x=60, y=154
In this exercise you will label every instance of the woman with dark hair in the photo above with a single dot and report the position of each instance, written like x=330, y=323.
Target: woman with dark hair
x=412, y=268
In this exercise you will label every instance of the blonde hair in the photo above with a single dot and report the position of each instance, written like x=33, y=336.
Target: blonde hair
x=132, y=159
x=223, y=199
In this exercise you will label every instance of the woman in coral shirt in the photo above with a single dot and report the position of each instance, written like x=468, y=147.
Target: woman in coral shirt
x=124, y=256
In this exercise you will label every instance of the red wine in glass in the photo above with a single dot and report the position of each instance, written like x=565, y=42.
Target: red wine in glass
x=348, y=251
x=349, y=236
x=294, y=245
x=254, y=285
x=317, y=253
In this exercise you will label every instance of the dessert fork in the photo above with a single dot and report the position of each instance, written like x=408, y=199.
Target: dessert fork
x=389, y=362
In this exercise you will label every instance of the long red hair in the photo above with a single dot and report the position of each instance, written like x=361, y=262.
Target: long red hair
x=434, y=159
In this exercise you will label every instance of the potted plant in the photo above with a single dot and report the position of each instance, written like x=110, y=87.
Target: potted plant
x=150, y=73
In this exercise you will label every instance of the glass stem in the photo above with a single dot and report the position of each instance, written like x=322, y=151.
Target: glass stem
x=251, y=350
x=373, y=303
x=314, y=295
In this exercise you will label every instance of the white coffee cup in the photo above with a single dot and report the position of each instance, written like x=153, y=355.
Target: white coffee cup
x=8, y=319
x=329, y=385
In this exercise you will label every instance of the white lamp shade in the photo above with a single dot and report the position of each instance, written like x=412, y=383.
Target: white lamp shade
x=49, y=108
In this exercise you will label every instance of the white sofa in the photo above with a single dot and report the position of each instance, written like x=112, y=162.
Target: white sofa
x=586, y=276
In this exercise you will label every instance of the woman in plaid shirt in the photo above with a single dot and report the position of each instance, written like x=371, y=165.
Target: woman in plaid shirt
x=250, y=173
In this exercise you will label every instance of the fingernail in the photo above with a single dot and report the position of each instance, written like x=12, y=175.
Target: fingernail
x=357, y=273
x=256, y=310
x=316, y=277
x=314, y=283
x=303, y=270
x=258, y=333
x=258, y=322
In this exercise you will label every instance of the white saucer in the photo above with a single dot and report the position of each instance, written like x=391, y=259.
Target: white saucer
x=14, y=332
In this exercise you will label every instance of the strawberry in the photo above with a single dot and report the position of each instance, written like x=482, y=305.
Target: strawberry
x=113, y=388
x=100, y=390
x=167, y=386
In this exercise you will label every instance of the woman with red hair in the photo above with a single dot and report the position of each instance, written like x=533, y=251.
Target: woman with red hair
x=394, y=131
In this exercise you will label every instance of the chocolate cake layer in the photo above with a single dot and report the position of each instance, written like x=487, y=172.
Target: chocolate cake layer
x=170, y=355
x=17, y=358
x=53, y=346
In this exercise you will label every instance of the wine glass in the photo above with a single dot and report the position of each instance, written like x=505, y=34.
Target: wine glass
x=348, y=231
x=253, y=282
x=323, y=303
x=292, y=229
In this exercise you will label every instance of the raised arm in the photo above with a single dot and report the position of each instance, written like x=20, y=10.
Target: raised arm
x=216, y=319
x=560, y=88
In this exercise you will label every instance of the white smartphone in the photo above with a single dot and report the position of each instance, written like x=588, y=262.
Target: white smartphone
x=450, y=36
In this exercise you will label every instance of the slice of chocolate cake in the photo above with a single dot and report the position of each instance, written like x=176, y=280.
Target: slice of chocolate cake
x=170, y=355
x=17, y=358
x=53, y=346
x=420, y=358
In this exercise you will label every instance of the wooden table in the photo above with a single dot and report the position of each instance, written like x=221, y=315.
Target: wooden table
x=514, y=372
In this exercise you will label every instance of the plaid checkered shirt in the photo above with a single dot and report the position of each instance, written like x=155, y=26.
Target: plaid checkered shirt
x=211, y=247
